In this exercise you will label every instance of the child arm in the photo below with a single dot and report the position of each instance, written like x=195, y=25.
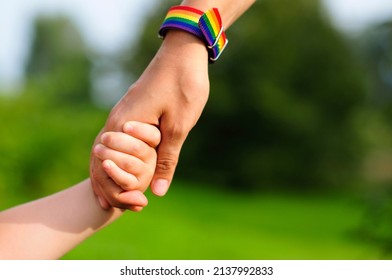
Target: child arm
x=49, y=227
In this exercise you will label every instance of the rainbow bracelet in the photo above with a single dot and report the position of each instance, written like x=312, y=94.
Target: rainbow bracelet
x=206, y=26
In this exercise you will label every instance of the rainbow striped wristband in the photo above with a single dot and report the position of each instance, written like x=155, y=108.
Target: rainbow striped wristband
x=206, y=26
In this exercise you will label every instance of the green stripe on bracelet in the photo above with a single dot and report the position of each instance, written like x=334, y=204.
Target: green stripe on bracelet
x=206, y=26
x=210, y=24
x=183, y=18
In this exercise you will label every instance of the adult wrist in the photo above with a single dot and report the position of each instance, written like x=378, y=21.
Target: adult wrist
x=181, y=44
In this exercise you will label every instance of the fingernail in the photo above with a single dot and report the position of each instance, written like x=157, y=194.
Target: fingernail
x=144, y=201
x=128, y=127
x=103, y=137
x=136, y=208
x=106, y=164
x=160, y=187
x=97, y=148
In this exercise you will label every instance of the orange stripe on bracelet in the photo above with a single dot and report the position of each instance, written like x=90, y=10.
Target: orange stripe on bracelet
x=211, y=26
x=206, y=26
x=183, y=18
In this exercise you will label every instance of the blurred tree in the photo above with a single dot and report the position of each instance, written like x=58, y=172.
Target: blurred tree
x=284, y=97
x=375, y=47
x=58, y=64
x=48, y=130
x=44, y=148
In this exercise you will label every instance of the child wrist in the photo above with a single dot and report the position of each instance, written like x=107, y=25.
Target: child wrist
x=206, y=27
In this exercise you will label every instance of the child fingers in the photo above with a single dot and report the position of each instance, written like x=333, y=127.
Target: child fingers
x=119, y=198
x=147, y=133
x=125, y=180
x=98, y=176
x=136, y=208
x=127, y=144
x=135, y=199
x=111, y=191
x=126, y=162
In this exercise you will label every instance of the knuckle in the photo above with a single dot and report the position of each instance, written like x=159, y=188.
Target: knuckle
x=128, y=165
x=150, y=158
x=126, y=186
x=129, y=186
x=177, y=131
x=138, y=148
x=166, y=165
x=150, y=170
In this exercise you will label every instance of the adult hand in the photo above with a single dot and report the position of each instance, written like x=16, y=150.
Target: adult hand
x=171, y=94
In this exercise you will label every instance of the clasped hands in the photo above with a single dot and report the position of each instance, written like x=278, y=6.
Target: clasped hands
x=170, y=95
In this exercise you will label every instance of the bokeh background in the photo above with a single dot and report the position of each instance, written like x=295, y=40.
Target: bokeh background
x=292, y=158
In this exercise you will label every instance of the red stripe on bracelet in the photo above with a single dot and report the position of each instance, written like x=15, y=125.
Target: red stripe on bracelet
x=210, y=24
x=183, y=18
x=206, y=26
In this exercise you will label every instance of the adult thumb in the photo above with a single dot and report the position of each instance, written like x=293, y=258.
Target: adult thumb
x=168, y=154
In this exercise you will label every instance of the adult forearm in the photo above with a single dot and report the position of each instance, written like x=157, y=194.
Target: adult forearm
x=171, y=94
x=230, y=10
x=49, y=227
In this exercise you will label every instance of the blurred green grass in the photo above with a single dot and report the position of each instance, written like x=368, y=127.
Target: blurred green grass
x=204, y=223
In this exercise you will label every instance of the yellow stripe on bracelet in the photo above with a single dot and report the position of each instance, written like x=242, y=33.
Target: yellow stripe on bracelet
x=183, y=18
x=211, y=26
x=206, y=26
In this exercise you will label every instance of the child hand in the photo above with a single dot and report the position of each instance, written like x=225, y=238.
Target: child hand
x=129, y=159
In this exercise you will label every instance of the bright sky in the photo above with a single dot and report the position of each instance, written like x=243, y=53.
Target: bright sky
x=353, y=15
x=107, y=24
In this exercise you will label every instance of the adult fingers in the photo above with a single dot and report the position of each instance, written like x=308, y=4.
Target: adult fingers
x=173, y=137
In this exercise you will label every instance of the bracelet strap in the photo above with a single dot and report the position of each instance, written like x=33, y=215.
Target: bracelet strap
x=206, y=26
x=211, y=26
x=183, y=18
